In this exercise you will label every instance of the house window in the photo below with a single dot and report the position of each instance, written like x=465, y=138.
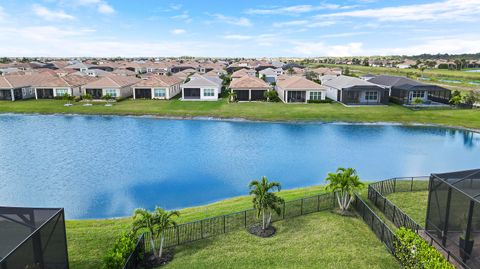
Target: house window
x=111, y=92
x=61, y=92
x=371, y=96
x=159, y=93
x=418, y=94
x=209, y=92
x=315, y=95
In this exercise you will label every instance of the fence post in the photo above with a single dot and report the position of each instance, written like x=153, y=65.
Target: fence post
x=384, y=202
x=381, y=187
x=201, y=227
x=394, y=184
x=411, y=185
x=245, y=218
x=301, y=207
x=318, y=202
x=178, y=235
x=283, y=211
x=224, y=230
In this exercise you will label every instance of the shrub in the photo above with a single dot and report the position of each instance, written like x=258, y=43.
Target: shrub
x=272, y=96
x=326, y=101
x=414, y=252
x=77, y=99
x=120, y=99
x=122, y=248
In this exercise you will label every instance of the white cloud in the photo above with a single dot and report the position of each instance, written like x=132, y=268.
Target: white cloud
x=304, y=23
x=295, y=10
x=176, y=6
x=51, y=15
x=238, y=37
x=184, y=16
x=240, y=21
x=458, y=10
x=178, y=31
x=101, y=6
x=105, y=8
x=453, y=45
x=322, y=49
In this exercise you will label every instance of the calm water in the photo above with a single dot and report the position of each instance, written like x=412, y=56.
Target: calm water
x=100, y=167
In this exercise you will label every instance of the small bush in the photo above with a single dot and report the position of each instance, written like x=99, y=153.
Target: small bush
x=77, y=99
x=414, y=252
x=120, y=99
x=122, y=248
x=272, y=96
x=58, y=97
x=326, y=101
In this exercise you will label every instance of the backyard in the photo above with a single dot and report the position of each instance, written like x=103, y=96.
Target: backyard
x=317, y=240
x=257, y=111
x=413, y=204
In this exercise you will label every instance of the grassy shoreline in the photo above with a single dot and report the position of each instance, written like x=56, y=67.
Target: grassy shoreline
x=88, y=240
x=257, y=111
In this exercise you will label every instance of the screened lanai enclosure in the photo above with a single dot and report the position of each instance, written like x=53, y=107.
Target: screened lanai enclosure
x=453, y=213
x=32, y=238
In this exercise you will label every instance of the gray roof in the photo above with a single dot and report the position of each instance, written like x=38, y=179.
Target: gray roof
x=404, y=83
x=393, y=81
x=204, y=81
x=344, y=82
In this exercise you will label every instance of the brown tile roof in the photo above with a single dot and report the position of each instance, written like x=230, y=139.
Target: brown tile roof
x=158, y=81
x=297, y=82
x=242, y=72
x=19, y=81
x=114, y=81
x=248, y=82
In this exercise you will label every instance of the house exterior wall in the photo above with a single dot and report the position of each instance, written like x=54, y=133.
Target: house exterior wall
x=323, y=94
x=170, y=92
x=281, y=94
x=202, y=94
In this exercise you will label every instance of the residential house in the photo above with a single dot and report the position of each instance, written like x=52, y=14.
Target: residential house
x=297, y=89
x=50, y=86
x=404, y=90
x=17, y=87
x=113, y=85
x=157, y=87
x=270, y=75
x=243, y=72
x=354, y=91
x=249, y=88
x=202, y=88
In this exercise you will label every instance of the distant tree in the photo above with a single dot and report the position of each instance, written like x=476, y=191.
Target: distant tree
x=366, y=62
x=264, y=200
x=344, y=183
x=290, y=71
x=346, y=71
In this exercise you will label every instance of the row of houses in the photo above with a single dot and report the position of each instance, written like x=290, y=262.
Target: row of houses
x=247, y=84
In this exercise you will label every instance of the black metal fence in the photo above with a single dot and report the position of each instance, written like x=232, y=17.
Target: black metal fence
x=136, y=257
x=205, y=228
x=376, y=194
x=32, y=238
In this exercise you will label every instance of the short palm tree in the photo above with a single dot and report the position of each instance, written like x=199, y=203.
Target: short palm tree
x=343, y=183
x=156, y=222
x=264, y=200
x=88, y=98
x=232, y=96
x=67, y=97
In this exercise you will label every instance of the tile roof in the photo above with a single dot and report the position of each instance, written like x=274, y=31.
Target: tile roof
x=114, y=81
x=158, y=81
x=248, y=82
x=342, y=82
x=297, y=82
x=204, y=81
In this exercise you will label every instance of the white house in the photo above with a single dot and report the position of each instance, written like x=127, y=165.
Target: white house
x=202, y=88
x=270, y=74
x=297, y=89
x=50, y=86
x=157, y=87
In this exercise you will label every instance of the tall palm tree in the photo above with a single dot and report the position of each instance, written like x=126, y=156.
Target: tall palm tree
x=264, y=200
x=156, y=222
x=343, y=183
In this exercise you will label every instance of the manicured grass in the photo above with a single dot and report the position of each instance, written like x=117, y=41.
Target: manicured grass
x=88, y=240
x=413, y=204
x=318, y=240
x=257, y=111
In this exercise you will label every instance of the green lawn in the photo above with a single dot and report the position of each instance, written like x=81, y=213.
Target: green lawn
x=413, y=204
x=88, y=240
x=257, y=111
x=318, y=240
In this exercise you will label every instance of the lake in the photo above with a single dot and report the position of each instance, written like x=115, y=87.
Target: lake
x=106, y=166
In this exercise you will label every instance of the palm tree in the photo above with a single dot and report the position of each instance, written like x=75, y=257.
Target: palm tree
x=88, y=97
x=156, y=222
x=264, y=200
x=67, y=97
x=232, y=96
x=343, y=183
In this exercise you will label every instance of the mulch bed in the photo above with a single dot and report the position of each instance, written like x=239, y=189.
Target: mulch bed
x=258, y=231
x=152, y=262
x=348, y=213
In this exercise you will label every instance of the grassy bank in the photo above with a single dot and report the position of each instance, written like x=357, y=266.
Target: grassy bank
x=318, y=240
x=88, y=240
x=256, y=111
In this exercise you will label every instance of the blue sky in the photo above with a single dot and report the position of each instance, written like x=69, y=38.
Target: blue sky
x=237, y=28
